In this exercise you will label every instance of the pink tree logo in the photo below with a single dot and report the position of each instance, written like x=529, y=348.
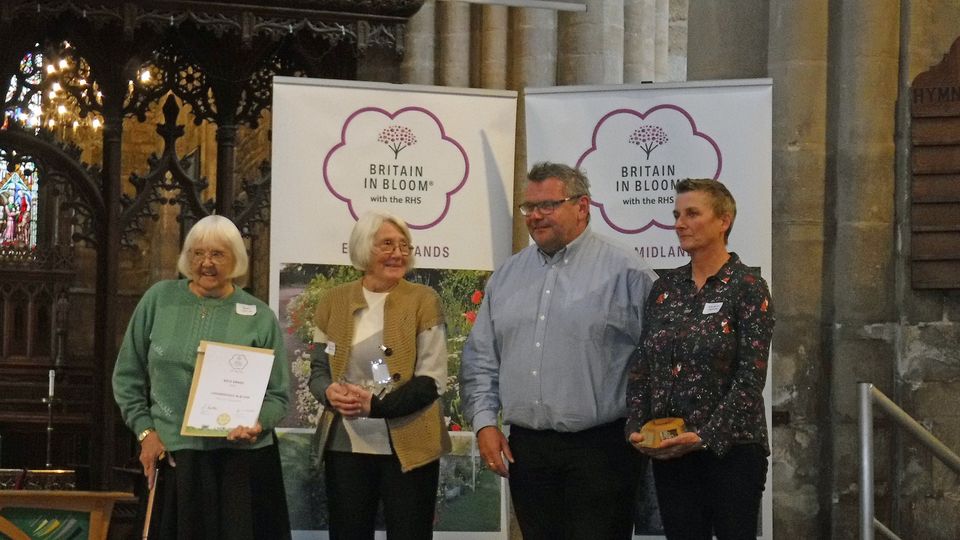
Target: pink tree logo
x=648, y=138
x=397, y=138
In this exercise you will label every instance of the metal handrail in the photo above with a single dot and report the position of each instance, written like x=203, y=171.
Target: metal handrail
x=868, y=396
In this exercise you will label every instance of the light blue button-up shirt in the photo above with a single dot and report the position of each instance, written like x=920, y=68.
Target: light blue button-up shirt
x=553, y=336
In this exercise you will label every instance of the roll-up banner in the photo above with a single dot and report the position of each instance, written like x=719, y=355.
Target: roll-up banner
x=441, y=159
x=635, y=143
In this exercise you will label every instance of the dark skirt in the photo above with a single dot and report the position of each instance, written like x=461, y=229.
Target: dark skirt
x=226, y=493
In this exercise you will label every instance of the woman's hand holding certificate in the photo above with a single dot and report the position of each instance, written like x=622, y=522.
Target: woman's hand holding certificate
x=245, y=434
x=229, y=383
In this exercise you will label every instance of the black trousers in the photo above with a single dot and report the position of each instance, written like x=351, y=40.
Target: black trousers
x=701, y=495
x=356, y=483
x=574, y=485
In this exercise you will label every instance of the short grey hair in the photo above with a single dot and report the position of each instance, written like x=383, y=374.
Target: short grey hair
x=574, y=181
x=216, y=229
x=366, y=228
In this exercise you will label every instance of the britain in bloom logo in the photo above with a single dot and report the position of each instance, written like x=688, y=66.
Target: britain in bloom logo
x=636, y=159
x=404, y=162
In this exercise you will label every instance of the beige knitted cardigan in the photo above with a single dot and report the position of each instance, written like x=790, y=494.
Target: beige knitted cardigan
x=410, y=308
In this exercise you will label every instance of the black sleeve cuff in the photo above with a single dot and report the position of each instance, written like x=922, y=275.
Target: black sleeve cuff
x=416, y=394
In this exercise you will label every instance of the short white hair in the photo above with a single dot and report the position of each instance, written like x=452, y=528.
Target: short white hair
x=214, y=229
x=366, y=228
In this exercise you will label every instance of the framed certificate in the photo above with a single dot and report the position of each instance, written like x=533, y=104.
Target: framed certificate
x=228, y=386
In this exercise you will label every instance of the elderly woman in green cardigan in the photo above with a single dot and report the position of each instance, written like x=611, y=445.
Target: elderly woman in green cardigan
x=380, y=372
x=213, y=487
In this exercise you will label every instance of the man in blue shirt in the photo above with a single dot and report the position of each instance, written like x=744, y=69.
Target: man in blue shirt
x=549, y=349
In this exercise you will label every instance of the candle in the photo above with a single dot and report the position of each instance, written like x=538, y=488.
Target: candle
x=53, y=375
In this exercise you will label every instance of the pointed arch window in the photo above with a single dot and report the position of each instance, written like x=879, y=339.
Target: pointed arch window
x=52, y=91
x=51, y=96
x=19, y=181
x=24, y=99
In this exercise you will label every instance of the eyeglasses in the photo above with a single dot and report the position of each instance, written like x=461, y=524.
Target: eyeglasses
x=545, y=207
x=388, y=246
x=216, y=256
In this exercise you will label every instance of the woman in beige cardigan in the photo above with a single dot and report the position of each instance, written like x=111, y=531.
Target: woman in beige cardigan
x=380, y=369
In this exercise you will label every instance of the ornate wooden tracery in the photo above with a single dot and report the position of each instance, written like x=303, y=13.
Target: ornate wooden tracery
x=215, y=59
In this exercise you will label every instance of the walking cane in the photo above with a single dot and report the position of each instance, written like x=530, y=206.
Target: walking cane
x=151, y=496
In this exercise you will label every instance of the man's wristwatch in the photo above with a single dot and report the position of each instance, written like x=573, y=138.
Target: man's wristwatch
x=143, y=434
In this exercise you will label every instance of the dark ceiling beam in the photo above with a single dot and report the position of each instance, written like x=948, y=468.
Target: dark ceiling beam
x=371, y=10
x=401, y=9
x=362, y=23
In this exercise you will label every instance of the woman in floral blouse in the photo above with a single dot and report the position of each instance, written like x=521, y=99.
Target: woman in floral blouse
x=703, y=358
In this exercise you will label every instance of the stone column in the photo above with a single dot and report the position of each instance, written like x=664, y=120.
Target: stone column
x=797, y=62
x=726, y=43
x=419, y=65
x=859, y=263
x=661, y=23
x=677, y=39
x=493, y=46
x=639, y=40
x=591, y=44
x=534, y=64
x=534, y=53
x=453, y=23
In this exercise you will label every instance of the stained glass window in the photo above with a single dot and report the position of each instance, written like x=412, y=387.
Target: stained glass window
x=19, y=181
x=51, y=90
x=24, y=95
x=18, y=203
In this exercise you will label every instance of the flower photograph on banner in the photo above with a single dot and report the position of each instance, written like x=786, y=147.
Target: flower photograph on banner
x=468, y=494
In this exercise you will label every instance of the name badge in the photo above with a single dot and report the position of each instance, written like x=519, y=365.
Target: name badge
x=712, y=307
x=246, y=309
x=331, y=348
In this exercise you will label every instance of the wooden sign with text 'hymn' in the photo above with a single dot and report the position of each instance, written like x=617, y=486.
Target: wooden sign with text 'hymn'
x=935, y=171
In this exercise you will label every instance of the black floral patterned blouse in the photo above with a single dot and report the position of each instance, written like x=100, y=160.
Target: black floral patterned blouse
x=703, y=355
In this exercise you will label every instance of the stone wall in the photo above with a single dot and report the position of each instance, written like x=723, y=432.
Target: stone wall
x=797, y=62
x=927, y=367
x=846, y=311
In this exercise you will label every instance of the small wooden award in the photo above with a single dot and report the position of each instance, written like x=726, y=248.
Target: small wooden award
x=660, y=429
